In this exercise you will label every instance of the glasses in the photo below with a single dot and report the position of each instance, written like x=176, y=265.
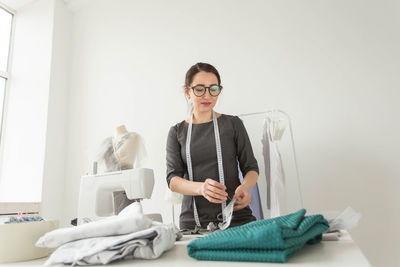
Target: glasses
x=200, y=90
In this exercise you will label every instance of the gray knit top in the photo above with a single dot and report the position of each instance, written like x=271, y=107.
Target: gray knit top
x=236, y=151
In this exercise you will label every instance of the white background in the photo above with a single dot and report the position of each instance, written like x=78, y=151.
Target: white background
x=332, y=65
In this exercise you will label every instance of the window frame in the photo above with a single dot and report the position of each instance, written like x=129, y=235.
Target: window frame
x=6, y=75
x=14, y=208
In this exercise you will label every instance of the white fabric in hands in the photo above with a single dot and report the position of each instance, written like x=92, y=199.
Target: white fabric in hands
x=228, y=213
x=129, y=220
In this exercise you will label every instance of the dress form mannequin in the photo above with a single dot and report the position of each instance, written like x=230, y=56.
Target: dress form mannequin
x=125, y=146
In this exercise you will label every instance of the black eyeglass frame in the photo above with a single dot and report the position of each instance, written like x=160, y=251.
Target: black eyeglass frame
x=205, y=87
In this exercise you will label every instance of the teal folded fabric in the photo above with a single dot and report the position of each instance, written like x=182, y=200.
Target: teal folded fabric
x=271, y=240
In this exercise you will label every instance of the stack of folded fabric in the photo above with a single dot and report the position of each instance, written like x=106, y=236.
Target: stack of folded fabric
x=271, y=240
x=126, y=236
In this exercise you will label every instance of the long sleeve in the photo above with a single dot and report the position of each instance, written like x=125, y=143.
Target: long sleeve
x=247, y=161
x=175, y=165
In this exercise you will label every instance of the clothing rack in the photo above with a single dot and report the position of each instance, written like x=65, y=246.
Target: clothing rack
x=292, y=141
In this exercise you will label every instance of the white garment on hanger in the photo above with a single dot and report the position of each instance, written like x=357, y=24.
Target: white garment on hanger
x=267, y=163
x=277, y=193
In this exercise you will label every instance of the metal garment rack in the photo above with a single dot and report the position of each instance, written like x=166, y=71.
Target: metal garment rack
x=266, y=113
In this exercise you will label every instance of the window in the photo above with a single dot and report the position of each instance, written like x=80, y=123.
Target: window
x=6, y=29
x=27, y=79
x=6, y=19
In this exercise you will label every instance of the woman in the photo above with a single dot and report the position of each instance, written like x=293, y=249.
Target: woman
x=197, y=171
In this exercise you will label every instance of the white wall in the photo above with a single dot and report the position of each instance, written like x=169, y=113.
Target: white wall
x=332, y=65
x=27, y=105
x=55, y=157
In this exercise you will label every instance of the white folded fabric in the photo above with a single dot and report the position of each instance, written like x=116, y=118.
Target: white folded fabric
x=126, y=236
x=333, y=236
x=128, y=221
x=146, y=244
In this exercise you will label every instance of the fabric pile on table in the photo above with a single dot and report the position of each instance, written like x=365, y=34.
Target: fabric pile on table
x=126, y=236
x=271, y=240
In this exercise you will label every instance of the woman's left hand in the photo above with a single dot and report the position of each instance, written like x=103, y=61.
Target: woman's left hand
x=243, y=198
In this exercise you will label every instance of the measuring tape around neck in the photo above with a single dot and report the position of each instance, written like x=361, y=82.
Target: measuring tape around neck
x=219, y=158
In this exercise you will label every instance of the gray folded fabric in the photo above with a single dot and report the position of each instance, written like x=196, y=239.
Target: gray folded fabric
x=146, y=244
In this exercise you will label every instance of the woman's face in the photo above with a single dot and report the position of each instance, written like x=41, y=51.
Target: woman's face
x=205, y=102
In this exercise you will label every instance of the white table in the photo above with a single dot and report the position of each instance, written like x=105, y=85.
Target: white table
x=342, y=253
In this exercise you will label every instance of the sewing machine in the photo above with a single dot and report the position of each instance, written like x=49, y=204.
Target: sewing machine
x=96, y=191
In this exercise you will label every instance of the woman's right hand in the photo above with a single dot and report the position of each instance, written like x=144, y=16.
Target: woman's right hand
x=213, y=191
